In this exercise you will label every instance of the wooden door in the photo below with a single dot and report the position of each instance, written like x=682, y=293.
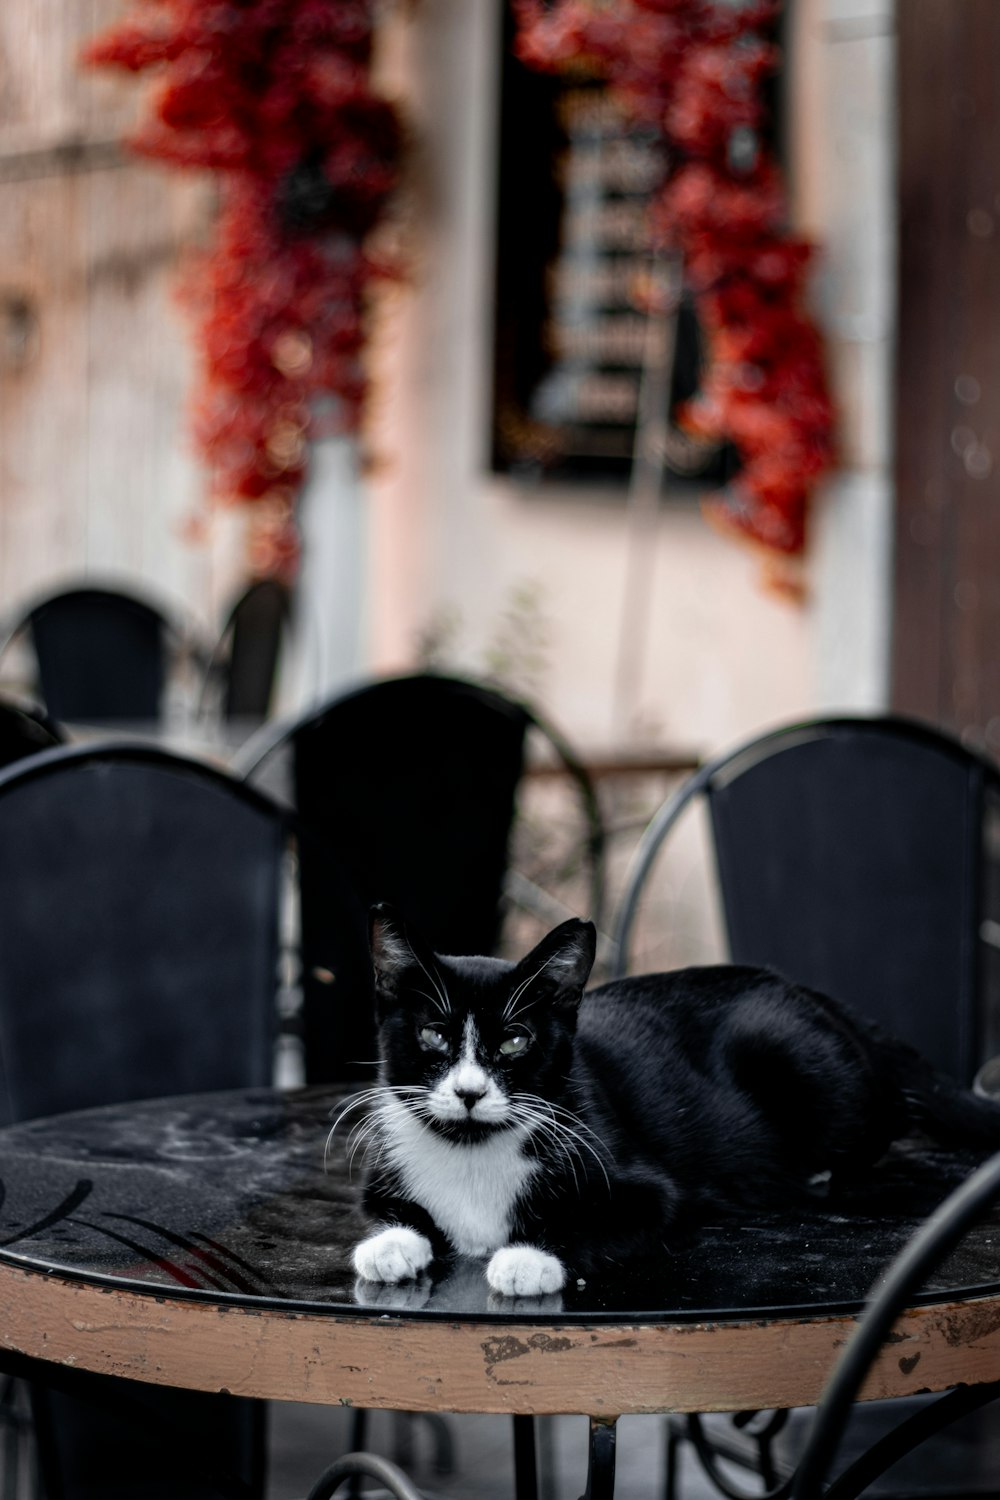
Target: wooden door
x=946, y=613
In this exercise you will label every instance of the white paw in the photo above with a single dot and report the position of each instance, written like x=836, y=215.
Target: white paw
x=392, y=1255
x=523, y=1271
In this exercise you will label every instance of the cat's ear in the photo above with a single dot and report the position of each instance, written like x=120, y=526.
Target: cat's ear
x=559, y=966
x=396, y=950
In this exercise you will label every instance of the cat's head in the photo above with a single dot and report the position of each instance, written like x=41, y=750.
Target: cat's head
x=467, y=1043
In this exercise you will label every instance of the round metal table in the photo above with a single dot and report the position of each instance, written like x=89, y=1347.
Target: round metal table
x=204, y=1242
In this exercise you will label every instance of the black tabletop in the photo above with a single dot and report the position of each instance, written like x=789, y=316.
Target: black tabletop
x=240, y=1196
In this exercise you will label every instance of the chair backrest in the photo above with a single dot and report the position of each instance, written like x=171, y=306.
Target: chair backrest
x=415, y=781
x=140, y=911
x=139, y=900
x=245, y=659
x=850, y=857
x=103, y=653
x=24, y=731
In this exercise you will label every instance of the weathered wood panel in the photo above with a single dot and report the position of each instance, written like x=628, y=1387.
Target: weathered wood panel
x=445, y=1365
x=945, y=661
x=95, y=362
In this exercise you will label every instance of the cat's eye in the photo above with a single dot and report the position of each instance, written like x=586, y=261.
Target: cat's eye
x=515, y=1044
x=433, y=1038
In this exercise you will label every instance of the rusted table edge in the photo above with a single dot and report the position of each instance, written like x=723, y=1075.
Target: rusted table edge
x=464, y=1366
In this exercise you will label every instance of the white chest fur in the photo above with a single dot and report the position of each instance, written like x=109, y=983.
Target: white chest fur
x=469, y=1191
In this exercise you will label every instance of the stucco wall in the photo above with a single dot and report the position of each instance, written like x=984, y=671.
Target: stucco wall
x=452, y=546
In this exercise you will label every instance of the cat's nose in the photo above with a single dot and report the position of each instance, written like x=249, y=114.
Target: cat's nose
x=470, y=1097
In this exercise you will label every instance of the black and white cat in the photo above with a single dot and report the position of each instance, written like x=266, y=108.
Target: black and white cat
x=555, y=1133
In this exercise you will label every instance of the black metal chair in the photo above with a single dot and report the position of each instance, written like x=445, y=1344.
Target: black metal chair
x=140, y=895
x=242, y=669
x=857, y=856
x=931, y=1244
x=852, y=855
x=416, y=781
x=102, y=653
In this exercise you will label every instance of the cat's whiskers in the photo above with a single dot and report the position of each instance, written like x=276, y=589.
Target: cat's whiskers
x=372, y=1129
x=433, y=1000
x=539, y=1123
x=509, y=1013
x=361, y=1137
x=567, y=1132
x=581, y=1132
x=370, y=1124
x=574, y=1119
x=436, y=983
x=508, y=1010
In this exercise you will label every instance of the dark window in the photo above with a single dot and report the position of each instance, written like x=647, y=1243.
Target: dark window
x=574, y=182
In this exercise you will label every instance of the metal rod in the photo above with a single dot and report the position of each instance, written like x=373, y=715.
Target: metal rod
x=373, y=1467
x=645, y=484
x=601, y=1461
x=928, y=1247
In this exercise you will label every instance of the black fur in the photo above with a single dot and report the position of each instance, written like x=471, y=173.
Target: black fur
x=706, y=1091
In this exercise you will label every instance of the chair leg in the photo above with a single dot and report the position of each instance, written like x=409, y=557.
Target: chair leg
x=364, y=1465
x=672, y=1459
x=444, y=1443
x=601, y=1463
x=404, y=1424
x=404, y=1452
x=765, y=1463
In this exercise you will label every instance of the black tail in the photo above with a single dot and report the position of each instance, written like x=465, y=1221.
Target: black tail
x=935, y=1103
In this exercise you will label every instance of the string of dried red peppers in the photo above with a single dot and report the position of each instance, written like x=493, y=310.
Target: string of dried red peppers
x=695, y=71
x=275, y=97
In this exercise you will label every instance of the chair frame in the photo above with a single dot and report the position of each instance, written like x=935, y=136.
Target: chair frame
x=183, y=639
x=714, y=774
x=933, y=1241
x=730, y=763
x=216, y=668
x=271, y=736
x=124, y=751
x=127, y=753
x=296, y=830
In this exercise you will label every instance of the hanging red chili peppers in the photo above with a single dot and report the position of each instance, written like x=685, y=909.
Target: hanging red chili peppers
x=275, y=96
x=695, y=71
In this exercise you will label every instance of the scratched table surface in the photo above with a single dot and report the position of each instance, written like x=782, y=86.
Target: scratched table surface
x=245, y=1198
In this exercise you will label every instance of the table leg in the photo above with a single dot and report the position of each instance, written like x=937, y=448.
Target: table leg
x=525, y=1459
x=601, y=1463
